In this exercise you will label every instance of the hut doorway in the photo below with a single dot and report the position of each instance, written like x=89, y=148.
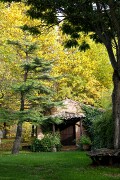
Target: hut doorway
x=68, y=136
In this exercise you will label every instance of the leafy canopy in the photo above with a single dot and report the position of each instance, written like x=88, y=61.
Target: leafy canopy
x=98, y=16
x=85, y=76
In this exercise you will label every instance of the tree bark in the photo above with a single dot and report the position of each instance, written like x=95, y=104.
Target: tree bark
x=17, y=142
x=116, y=108
x=33, y=131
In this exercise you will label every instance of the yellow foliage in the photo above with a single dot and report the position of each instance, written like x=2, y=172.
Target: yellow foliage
x=27, y=129
x=84, y=76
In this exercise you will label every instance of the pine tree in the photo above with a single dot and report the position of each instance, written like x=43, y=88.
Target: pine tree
x=36, y=95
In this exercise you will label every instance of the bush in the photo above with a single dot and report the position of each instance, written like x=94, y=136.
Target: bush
x=100, y=127
x=91, y=114
x=85, y=140
x=36, y=145
x=104, y=131
x=47, y=143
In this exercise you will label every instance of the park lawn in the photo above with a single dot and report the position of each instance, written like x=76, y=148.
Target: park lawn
x=74, y=165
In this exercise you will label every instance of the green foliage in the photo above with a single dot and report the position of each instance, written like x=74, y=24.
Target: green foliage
x=24, y=87
x=6, y=115
x=104, y=130
x=100, y=127
x=32, y=30
x=47, y=143
x=36, y=145
x=85, y=140
x=71, y=43
x=90, y=115
x=84, y=46
x=35, y=88
x=95, y=38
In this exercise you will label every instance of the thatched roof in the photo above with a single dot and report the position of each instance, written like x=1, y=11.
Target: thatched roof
x=69, y=110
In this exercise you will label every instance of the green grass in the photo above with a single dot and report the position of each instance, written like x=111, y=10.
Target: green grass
x=53, y=166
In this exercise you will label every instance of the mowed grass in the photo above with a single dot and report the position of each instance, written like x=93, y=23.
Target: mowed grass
x=73, y=165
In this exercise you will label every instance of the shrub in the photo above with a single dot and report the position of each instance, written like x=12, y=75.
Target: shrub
x=36, y=145
x=100, y=127
x=91, y=114
x=104, y=131
x=85, y=140
x=47, y=143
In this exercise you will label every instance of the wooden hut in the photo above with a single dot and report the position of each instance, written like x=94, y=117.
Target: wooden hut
x=71, y=128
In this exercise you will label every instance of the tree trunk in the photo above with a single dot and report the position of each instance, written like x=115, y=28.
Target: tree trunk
x=17, y=142
x=116, y=109
x=33, y=131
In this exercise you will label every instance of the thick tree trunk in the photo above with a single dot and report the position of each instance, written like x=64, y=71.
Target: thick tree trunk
x=17, y=142
x=116, y=109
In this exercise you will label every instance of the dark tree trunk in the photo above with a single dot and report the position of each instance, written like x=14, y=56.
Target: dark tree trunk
x=17, y=142
x=33, y=131
x=116, y=109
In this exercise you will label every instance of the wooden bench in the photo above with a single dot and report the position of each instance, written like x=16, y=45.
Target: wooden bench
x=105, y=157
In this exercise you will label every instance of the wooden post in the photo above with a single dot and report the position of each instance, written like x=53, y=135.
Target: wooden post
x=81, y=133
x=53, y=129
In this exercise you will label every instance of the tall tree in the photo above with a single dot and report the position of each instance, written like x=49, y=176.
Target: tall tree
x=102, y=18
x=34, y=90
